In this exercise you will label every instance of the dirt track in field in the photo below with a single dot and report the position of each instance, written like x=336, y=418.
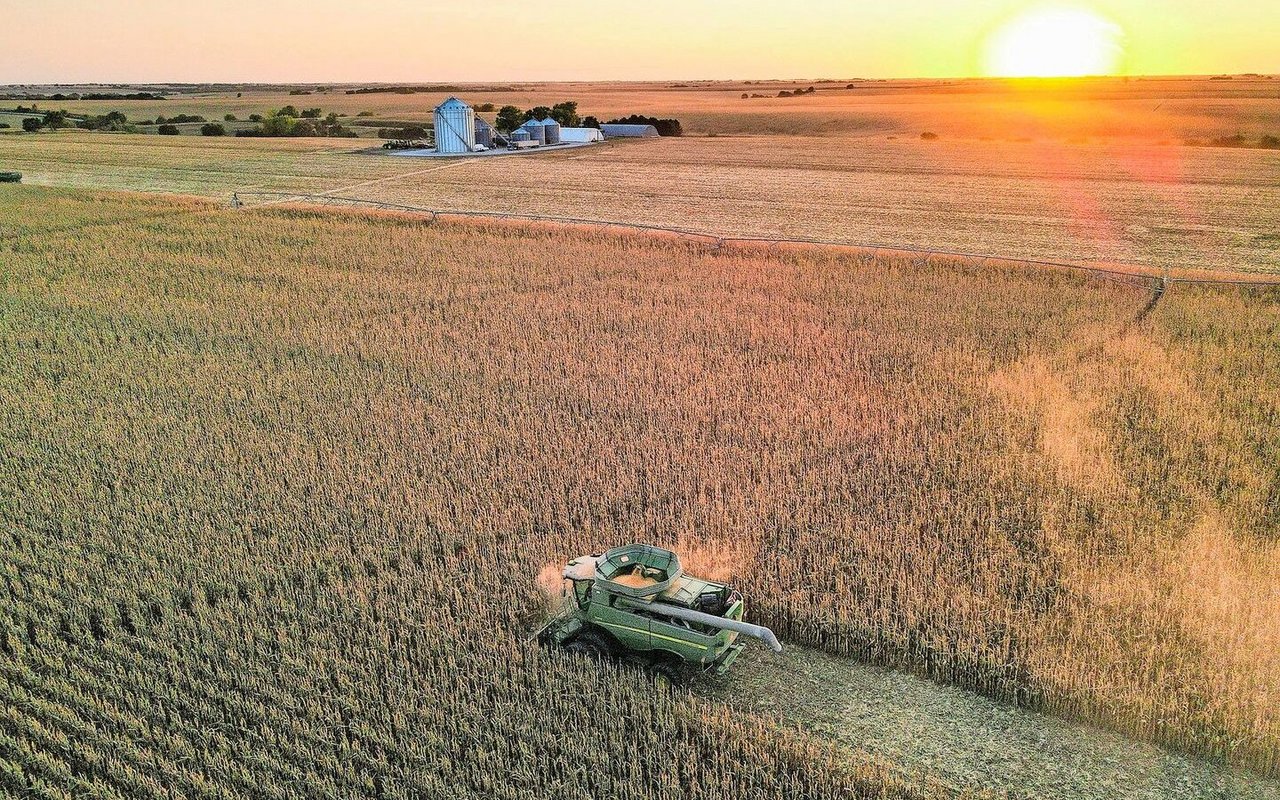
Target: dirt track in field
x=964, y=740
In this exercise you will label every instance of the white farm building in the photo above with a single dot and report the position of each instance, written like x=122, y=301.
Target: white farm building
x=612, y=130
x=579, y=135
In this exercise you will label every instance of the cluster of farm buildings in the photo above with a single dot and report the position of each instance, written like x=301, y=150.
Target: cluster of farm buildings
x=458, y=130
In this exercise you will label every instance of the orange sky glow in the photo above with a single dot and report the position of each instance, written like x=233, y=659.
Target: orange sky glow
x=423, y=41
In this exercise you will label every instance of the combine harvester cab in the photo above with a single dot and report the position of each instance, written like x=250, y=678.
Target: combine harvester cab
x=635, y=602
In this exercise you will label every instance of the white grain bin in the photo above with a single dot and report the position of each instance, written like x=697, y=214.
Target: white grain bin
x=551, y=130
x=519, y=135
x=455, y=127
x=537, y=133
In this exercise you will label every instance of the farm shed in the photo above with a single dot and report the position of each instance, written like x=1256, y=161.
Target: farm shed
x=455, y=123
x=629, y=131
x=578, y=135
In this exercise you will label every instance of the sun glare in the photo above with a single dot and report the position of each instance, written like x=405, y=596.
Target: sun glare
x=1052, y=42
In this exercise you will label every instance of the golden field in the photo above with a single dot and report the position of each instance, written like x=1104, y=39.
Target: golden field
x=1161, y=206
x=266, y=467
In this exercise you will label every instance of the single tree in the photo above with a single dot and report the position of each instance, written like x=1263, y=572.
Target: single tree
x=213, y=129
x=229, y=117
x=509, y=118
x=566, y=114
x=279, y=125
x=56, y=119
x=31, y=124
x=168, y=130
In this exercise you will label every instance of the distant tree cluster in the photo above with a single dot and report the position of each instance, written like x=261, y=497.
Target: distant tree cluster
x=797, y=92
x=92, y=96
x=178, y=119
x=1265, y=142
x=289, y=121
x=445, y=87
x=666, y=127
x=53, y=120
x=111, y=121
x=512, y=117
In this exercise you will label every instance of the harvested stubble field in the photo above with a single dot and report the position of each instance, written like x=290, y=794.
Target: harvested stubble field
x=1154, y=205
x=265, y=468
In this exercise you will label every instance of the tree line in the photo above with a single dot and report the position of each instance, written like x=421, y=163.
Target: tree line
x=566, y=115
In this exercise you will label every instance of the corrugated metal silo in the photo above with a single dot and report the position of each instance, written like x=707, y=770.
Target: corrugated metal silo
x=551, y=130
x=484, y=133
x=455, y=127
x=520, y=135
x=537, y=133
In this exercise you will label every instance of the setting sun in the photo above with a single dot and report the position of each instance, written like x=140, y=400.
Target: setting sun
x=1053, y=42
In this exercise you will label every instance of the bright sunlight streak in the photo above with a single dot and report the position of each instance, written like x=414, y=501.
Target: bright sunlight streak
x=1054, y=41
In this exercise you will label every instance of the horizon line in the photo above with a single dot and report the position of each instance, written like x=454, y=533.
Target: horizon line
x=513, y=82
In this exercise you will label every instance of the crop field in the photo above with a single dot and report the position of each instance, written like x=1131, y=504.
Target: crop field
x=280, y=484
x=1142, y=110
x=1162, y=206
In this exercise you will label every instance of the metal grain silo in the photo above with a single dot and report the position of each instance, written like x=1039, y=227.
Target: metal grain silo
x=537, y=133
x=484, y=133
x=551, y=130
x=455, y=127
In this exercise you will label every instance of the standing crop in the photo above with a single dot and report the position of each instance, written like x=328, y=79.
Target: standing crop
x=266, y=474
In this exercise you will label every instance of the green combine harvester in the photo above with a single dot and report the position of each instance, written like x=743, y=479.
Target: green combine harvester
x=635, y=603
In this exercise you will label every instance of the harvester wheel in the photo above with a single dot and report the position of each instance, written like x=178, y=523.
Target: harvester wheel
x=590, y=644
x=664, y=674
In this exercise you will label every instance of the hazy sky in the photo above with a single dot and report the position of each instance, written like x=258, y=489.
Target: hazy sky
x=424, y=40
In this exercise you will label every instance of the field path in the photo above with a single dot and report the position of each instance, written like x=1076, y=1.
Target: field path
x=437, y=168
x=965, y=740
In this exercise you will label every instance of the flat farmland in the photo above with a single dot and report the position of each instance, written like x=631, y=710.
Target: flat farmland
x=1162, y=206
x=1152, y=110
